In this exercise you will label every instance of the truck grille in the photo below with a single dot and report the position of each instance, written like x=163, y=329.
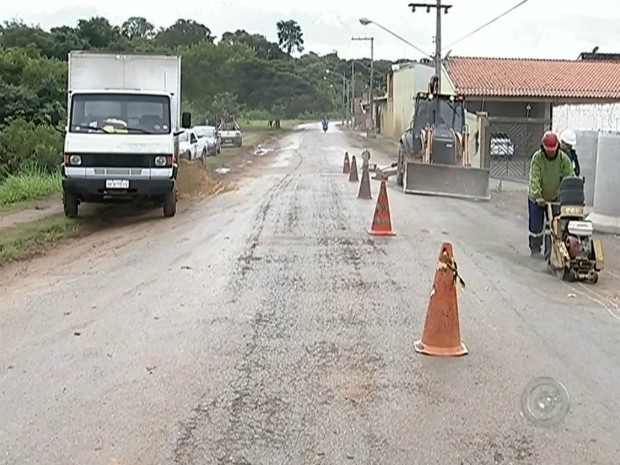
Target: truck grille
x=117, y=160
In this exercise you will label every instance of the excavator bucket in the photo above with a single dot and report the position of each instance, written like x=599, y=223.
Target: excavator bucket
x=446, y=181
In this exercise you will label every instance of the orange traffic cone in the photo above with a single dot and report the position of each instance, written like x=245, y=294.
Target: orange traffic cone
x=381, y=222
x=364, y=192
x=442, y=332
x=346, y=167
x=353, y=174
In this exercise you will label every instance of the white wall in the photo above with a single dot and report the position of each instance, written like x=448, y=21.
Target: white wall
x=587, y=116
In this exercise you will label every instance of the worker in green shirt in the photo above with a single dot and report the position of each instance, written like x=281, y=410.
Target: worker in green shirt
x=548, y=166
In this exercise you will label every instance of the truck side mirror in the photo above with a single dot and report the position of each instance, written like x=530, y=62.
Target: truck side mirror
x=54, y=117
x=186, y=120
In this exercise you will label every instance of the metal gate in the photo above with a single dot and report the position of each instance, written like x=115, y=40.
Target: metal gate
x=511, y=144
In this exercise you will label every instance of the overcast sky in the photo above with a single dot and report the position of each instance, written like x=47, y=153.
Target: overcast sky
x=539, y=28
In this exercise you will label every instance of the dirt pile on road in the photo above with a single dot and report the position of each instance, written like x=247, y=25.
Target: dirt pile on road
x=195, y=180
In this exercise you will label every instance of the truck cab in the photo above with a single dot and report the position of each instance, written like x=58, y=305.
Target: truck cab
x=122, y=130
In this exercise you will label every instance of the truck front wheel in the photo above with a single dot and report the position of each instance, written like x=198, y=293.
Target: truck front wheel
x=170, y=203
x=70, y=204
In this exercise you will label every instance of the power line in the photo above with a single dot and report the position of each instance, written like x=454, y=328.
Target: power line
x=522, y=2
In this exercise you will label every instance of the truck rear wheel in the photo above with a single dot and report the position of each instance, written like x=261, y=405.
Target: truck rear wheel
x=70, y=204
x=170, y=203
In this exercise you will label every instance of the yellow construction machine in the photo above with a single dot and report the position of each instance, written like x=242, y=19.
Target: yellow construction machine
x=433, y=158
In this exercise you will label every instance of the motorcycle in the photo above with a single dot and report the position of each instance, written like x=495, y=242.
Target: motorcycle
x=324, y=126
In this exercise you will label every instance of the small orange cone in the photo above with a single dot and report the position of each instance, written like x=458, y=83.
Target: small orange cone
x=381, y=222
x=353, y=174
x=364, y=192
x=442, y=332
x=346, y=167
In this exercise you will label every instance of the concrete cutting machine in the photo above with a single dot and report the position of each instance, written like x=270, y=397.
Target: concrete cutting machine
x=574, y=254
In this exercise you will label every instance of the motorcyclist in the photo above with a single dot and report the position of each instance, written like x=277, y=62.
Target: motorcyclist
x=548, y=166
x=568, y=140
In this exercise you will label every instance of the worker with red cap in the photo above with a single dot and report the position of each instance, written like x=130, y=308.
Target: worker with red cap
x=548, y=166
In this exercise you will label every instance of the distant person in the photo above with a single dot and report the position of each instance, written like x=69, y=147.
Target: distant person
x=568, y=141
x=548, y=166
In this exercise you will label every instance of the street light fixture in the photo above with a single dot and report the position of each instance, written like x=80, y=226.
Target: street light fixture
x=366, y=22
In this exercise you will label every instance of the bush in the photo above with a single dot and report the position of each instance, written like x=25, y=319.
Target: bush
x=25, y=146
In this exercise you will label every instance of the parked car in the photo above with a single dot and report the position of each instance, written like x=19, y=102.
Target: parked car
x=501, y=146
x=190, y=146
x=231, y=134
x=212, y=137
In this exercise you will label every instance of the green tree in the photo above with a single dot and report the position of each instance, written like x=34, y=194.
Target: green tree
x=290, y=36
x=16, y=33
x=138, y=27
x=97, y=32
x=257, y=42
x=185, y=32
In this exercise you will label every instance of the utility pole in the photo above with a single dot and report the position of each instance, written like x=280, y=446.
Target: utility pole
x=344, y=100
x=438, y=7
x=352, y=94
x=371, y=99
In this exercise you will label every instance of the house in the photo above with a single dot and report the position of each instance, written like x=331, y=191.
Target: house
x=522, y=95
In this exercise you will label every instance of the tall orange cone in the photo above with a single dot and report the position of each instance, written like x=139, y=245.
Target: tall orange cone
x=353, y=175
x=346, y=167
x=381, y=222
x=364, y=192
x=442, y=332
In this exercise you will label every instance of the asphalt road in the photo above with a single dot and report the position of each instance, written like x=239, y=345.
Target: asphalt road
x=265, y=326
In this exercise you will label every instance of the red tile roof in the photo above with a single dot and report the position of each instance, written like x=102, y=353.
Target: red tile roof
x=521, y=77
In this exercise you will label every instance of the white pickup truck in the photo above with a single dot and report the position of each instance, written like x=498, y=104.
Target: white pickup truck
x=191, y=146
x=121, y=140
x=230, y=134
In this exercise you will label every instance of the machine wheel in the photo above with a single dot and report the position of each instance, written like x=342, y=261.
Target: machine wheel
x=565, y=275
x=401, y=172
x=594, y=278
x=170, y=203
x=204, y=154
x=70, y=204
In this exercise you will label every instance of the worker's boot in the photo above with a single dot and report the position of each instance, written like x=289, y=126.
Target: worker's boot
x=535, y=247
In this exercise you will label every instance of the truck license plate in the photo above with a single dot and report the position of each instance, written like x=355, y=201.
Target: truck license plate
x=117, y=183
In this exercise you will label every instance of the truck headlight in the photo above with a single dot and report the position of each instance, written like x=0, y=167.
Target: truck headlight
x=75, y=160
x=160, y=161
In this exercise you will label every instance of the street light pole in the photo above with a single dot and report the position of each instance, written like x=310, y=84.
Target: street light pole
x=352, y=94
x=438, y=7
x=372, y=131
x=344, y=93
x=344, y=101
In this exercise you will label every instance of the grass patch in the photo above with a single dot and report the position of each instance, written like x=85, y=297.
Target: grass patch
x=30, y=184
x=30, y=239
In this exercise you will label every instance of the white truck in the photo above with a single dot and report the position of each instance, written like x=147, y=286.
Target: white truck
x=121, y=138
x=230, y=133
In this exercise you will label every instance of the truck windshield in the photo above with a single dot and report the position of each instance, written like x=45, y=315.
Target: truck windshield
x=120, y=114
